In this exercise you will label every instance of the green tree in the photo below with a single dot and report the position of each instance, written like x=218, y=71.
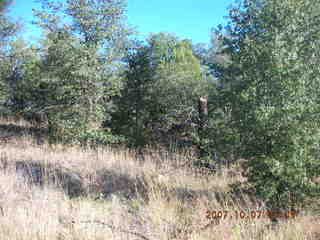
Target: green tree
x=272, y=88
x=19, y=70
x=79, y=58
x=8, y=30
x=161, y=89
x=220, y=139
x=134, y=104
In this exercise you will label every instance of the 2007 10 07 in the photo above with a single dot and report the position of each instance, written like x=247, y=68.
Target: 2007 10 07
x=257, y=214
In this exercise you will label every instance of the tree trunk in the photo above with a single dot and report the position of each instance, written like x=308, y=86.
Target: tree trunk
x=203, y=122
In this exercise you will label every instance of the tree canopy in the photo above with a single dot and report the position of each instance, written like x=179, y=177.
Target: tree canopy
x=273, y=79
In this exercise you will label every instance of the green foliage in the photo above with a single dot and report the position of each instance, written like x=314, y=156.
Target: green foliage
x=161, y=88
x=180, y=81
x=134, y=103
x=272, y=84
x=221, y=140
x=8, y=30
x=71, y=77
x=98, y=137
x=17, y=70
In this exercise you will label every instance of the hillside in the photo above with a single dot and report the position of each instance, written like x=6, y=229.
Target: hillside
x=54, y=192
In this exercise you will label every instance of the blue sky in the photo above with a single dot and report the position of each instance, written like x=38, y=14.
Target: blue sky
x=189, y=19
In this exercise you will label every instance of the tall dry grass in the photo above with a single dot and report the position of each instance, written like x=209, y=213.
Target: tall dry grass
x=55, y=192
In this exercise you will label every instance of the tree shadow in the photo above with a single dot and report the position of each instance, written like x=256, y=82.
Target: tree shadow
x=108, y=182
x=38, y=174
x=18, y=131
x=103, y=182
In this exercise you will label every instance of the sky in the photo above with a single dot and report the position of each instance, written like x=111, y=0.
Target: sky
x=188, y=19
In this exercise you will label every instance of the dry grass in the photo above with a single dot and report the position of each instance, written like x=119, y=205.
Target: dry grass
x=59, y=193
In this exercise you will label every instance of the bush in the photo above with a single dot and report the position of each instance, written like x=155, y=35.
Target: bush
x=99, y=137
x=272, y=86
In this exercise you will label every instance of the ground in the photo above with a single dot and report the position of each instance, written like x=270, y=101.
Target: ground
x=55, y=192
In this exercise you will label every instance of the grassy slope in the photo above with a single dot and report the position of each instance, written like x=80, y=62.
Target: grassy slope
x=52, y=192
